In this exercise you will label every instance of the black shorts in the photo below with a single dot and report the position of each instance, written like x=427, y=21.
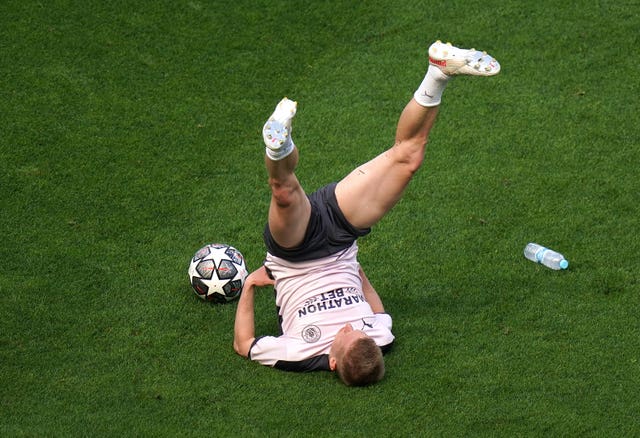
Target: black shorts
x=328, y=231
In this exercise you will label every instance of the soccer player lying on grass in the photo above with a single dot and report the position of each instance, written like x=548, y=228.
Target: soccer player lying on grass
x=330, y=315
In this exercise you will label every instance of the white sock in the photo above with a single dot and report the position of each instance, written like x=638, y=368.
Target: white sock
x=429, y=93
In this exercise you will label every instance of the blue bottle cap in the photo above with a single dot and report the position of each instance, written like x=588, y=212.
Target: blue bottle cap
x=564, y=264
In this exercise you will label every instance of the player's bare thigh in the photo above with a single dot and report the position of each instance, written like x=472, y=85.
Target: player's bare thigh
x=372, y=189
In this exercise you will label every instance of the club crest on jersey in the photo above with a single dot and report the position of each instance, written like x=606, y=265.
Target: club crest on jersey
x=311, y=334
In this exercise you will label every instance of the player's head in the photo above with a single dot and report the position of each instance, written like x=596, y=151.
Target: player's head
x=356, y=358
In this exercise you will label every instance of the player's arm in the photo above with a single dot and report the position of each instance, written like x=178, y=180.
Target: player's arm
x=370, y=294
x=244, y=328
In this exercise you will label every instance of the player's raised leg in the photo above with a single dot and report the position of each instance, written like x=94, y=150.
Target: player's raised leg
x=371, y=190
x=289, y=210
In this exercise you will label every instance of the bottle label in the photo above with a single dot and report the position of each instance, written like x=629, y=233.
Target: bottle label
x=540, y=254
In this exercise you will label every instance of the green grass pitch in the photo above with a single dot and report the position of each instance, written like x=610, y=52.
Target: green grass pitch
x=130, y=137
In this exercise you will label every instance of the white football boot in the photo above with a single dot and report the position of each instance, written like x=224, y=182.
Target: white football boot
x=276, y=132
x=455, y=61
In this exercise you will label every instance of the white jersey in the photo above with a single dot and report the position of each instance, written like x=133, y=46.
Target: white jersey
x=315, y=299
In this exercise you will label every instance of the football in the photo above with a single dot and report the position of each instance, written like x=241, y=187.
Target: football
x=217, y=273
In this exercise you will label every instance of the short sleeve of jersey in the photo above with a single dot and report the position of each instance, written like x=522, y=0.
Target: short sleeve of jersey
x=287, y=354
x=268, y=349
x=385, y=320
x=386, y=338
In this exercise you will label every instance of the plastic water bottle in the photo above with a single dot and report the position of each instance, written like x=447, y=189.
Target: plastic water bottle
x=545, y=256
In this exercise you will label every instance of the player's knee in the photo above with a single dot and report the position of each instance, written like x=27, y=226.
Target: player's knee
x=283, y=194
x=410, y=153
x=415, y=162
